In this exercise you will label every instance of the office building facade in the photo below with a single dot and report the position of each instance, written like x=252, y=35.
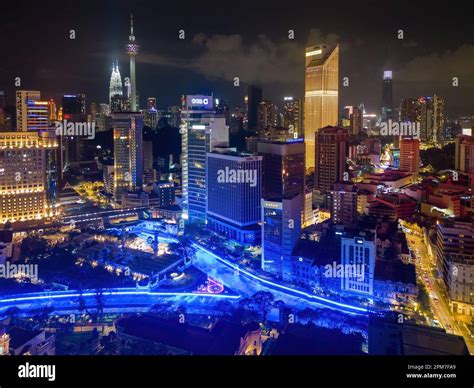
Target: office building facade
x=281, y=229
x=358, y=264
x=321, y=94
x=201, y=131
x=234, y=192
x=24, y=181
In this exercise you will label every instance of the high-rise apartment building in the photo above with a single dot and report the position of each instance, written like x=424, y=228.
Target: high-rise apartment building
x=128, y=152
x=464, y=154
x=438, y=119
x=408, y=110
x=321, y=94
x=356, y=120
x=455, y=260
x=331, y=155
x=292, y=115
x=267, y=115
x=343, y=205
x=149, y=173
x=430, y=115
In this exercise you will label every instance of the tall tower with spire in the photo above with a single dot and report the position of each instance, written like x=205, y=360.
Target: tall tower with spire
x=132, y=48
x=115, y=89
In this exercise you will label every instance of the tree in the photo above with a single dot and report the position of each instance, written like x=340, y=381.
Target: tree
x=306, y=315
x=99, y=299
x=12, y=312
x=279, y=304
x=161, y=308
x=263, y=301
x=423, y=298
x=43, y=315
x=225, y=307
x=33, y=246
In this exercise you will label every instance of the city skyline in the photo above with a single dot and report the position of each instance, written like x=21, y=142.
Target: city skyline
x=237, y=180
x=421, y=65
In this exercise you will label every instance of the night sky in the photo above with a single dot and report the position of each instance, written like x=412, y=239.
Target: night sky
x=245, y=39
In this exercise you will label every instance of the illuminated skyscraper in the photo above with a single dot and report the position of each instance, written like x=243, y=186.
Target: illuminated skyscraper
x=321, y=94
x=343, y=205
x=356, y=120
x=22, y=98
x=387, y=96
x=408, y=109
x=116, y=88
x=132, y=48
x=24, y=186
x=464, y=154
x=283, y=167
x=201, y=130
x=254, y=99
x=234, y=192
x=430, y=115
x=128, y=152
x=292, y=115
x=455, y=260
x=74, y=107
x=438, y=119
x=267, y=115
x=52, y=110
x=37, y=115
x=281, y=228
x=331, y=154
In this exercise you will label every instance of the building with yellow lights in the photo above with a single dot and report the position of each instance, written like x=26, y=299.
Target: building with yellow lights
x=25, y=193
x=321, y=94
